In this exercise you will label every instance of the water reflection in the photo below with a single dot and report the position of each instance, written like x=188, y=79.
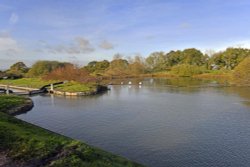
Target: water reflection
x=157, y=123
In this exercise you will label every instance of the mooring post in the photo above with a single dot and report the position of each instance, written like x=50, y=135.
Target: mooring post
x=7, y=89
x=51, y=87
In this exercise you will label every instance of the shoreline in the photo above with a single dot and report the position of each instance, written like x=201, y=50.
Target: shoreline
x=24, y=144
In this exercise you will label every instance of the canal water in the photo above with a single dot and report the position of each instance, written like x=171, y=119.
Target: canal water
x=163, y=122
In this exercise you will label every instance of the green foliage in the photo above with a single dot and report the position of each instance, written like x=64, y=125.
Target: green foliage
x=75, y=87
x=193, y=57
x=7, y=102
x=19, y=66
x=26, y=82
x=241, y=75
x=228, y=59
x=97, y=66
x=41, y=68
x=174, y=58
x=156, y=61
x=17, y=70
x=118, y=67
x=186, y=70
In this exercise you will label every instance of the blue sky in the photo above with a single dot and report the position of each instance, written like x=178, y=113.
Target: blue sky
x=83, y=30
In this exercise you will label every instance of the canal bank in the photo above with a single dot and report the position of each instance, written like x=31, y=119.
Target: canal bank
x=24, y=144
x=30, y=86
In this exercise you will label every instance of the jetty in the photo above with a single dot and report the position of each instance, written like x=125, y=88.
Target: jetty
x=18, y=90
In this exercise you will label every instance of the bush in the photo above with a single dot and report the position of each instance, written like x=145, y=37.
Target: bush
x=42, y=68
x=241, y=75
x=70, y=73
x=186, y=70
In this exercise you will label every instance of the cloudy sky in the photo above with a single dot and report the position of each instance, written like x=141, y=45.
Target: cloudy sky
x=83, y=30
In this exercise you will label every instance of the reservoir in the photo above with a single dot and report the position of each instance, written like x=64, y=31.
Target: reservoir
x=163, y=122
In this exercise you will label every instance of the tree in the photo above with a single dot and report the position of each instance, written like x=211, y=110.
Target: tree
x=193, y=56
x=20, y=67
x=241, y=75
x=71, y=73
x=17, y=70
x=156, y=61
x=97, y=67
x=137, y=66
x=118, y=67
x=41, y=68
x=228, y=59
x=2, y=74
x=91, y=67
x=174, y=58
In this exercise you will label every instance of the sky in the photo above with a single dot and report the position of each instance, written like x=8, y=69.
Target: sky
x=80, y=31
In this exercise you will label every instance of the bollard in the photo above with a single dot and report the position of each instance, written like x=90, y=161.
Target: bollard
x=7, y=90
x=51, y=87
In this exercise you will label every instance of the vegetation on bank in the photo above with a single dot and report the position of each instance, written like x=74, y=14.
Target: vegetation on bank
x=26, y=82
x=241, y=74
x=71, y=86
x=30, y=145
x=9, y=102
x=181, y=63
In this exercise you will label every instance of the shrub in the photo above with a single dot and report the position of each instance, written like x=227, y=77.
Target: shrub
x=70, y=73
x=241, y=75
x=186, y=70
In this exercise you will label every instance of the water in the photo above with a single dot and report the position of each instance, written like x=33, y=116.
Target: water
x=157, y=124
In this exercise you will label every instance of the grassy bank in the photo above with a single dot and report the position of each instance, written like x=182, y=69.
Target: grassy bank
x=38, y=83
x=9, y=102
x=29, y=145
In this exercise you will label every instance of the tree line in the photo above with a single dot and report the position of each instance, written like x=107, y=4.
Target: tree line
x=185, y=62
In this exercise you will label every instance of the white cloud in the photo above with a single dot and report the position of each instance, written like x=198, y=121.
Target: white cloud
x=80, y=45
x=236, y=44
x=84, y=44
x=8, y=45
x=221, y=46
x=106, y=45
x=13, y=18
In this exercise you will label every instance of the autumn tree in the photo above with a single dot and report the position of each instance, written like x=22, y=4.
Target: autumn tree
x=70, y=73
x=241, y=75
x=41, y=68
x=137, y=65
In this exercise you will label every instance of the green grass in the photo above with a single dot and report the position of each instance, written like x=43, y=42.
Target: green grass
x=33, y=145
x=38, y=83
x=26, y=82
x=75, y=87
x=8, y=102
